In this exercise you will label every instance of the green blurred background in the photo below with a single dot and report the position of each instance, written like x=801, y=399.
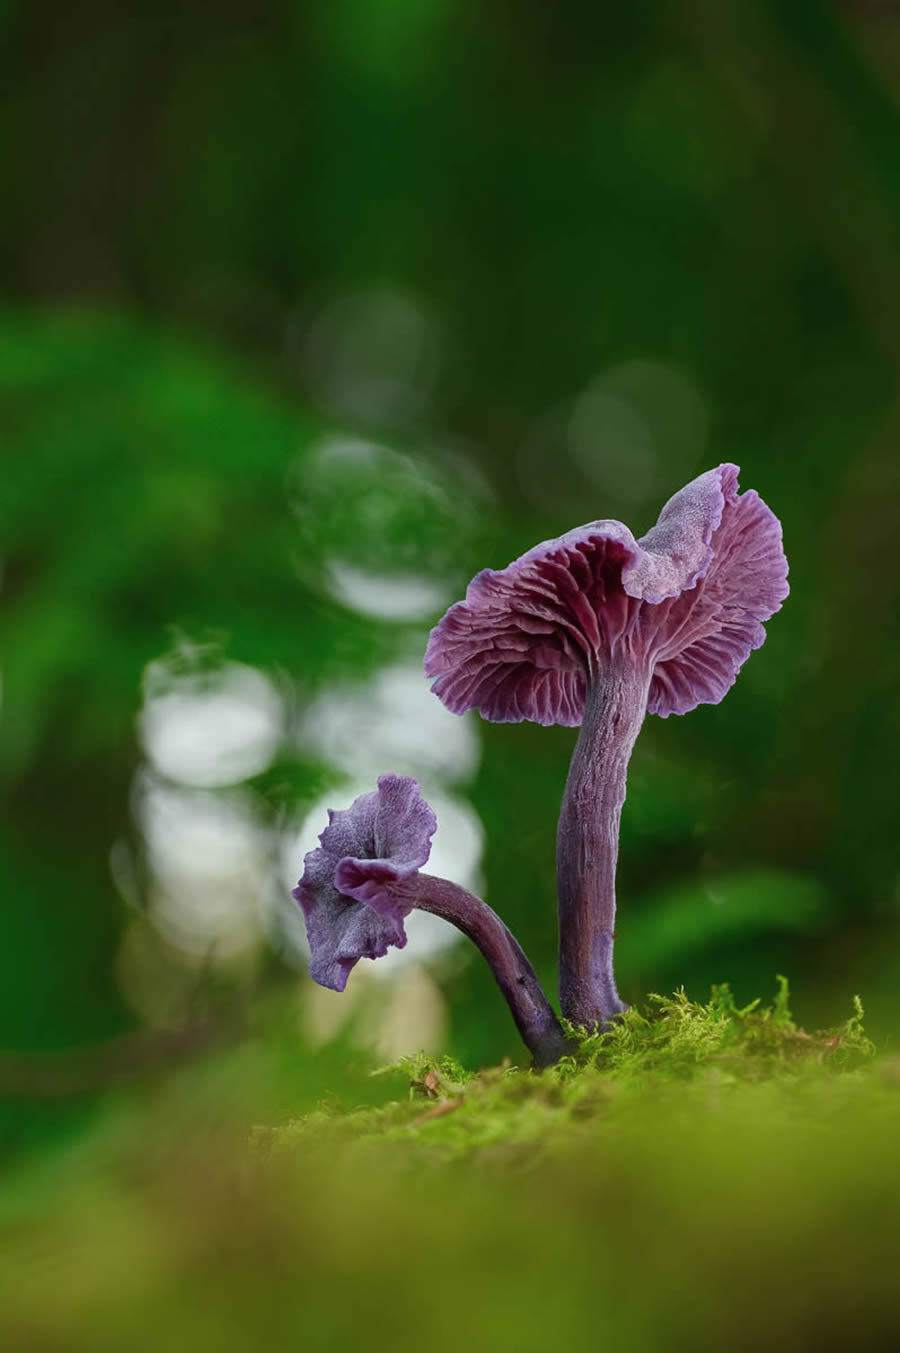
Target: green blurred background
x=309, y=312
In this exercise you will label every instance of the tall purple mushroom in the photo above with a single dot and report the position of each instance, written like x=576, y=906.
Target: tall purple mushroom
x=596, y=628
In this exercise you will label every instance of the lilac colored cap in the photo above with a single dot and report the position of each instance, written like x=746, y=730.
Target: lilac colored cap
x=688, y=600
x=347, y=890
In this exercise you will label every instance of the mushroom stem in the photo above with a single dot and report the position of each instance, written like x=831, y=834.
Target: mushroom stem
x=588, y=843
x=534, y=1016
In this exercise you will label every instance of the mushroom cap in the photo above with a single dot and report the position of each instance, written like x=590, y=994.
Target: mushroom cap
x=347, y=891
x=688, y=600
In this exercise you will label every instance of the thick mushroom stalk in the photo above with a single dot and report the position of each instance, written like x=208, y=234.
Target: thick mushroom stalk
x=364, y=879
x=597, y=628
x=587, y=843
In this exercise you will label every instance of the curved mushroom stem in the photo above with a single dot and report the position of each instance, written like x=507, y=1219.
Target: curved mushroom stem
x=587, y=844
x=534, y=1016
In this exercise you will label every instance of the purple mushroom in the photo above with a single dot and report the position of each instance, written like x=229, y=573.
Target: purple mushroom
x=362, y=882
x=596, y=628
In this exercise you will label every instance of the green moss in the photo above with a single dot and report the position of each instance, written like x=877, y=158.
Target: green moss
x=677, y=1037
x=702, y=1176
x=671, y=1048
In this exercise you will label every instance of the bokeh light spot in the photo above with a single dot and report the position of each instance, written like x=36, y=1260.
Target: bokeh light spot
x=373, y=354
x=613, y=444
x=385, y=596
x=209, y=728
x=209, y=859
x=637, y=431
x=392, y=722
x=380, y=531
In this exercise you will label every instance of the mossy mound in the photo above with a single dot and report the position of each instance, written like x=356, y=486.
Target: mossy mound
x=672, y=1047
x=701, y=1176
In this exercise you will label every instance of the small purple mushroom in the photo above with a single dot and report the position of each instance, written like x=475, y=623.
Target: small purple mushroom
x=362, y=882
x=596, y=628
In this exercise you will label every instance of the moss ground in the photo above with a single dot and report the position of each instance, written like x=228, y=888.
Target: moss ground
x=673, y=1050
x=702, y=1176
